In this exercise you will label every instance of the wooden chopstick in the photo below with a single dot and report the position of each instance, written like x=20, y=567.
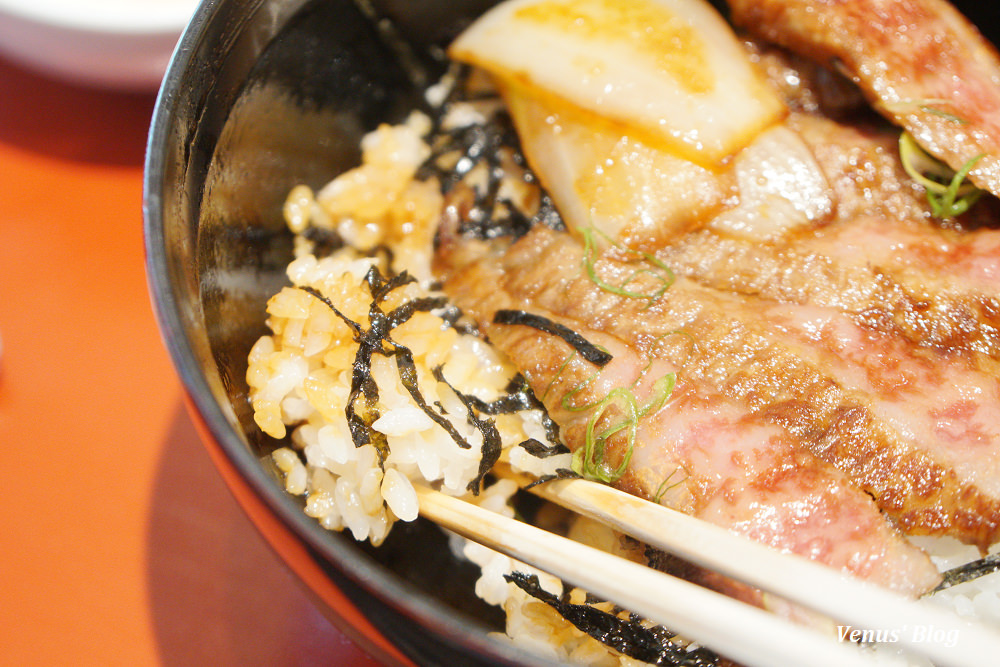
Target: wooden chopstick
x=842, y=597
x=736, y=630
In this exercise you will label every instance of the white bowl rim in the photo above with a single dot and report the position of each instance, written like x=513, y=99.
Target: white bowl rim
x=105, y=16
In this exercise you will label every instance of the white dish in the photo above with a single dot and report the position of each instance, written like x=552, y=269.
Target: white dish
x=112, y=43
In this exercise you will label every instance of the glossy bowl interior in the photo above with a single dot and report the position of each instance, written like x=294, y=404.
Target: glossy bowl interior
x=262, y=95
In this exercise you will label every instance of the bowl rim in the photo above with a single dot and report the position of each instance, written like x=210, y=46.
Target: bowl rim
x=390, y=588
x=104, y=16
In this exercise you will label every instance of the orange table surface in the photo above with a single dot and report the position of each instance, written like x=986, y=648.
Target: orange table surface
x=120, y=544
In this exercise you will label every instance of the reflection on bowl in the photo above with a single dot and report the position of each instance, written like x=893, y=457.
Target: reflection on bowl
x=113, y=43
x=263, y=95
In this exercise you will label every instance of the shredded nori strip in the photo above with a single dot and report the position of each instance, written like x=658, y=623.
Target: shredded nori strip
x=519, y=386
x=629, y=637
x=548, y=215
x=542, y=451
x=377, y=340
x=968, y=572
x=492, y=445
x=518, y=397
x=491, y=215
x=373, y=341
x=587, y=350
x=361, y=380
x=325, y=241
x=561, y=473
x=329, y=304
x=408, y=376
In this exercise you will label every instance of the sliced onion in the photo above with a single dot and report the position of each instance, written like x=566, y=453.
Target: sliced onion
x=602, y=178
x=781, y=186
x=670, y=70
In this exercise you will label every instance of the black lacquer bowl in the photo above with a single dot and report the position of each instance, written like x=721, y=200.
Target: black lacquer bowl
x=262, y=95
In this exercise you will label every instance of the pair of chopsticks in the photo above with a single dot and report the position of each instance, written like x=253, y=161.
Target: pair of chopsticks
x=740, y=632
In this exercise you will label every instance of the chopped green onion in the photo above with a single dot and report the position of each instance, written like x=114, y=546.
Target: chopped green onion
x=930, y=106
x=589, y=460
x=568, y=396
x=665, y=485
x=558, y=373
x=948, y=193
x=943, y=114
x=660, y=271
x=953, y=203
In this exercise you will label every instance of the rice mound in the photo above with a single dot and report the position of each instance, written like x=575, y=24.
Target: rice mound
x=300, y=375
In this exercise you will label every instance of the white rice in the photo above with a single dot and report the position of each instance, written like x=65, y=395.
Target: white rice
x=300, y=375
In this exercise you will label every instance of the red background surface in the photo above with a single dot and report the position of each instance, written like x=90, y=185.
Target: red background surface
x=120, y=545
